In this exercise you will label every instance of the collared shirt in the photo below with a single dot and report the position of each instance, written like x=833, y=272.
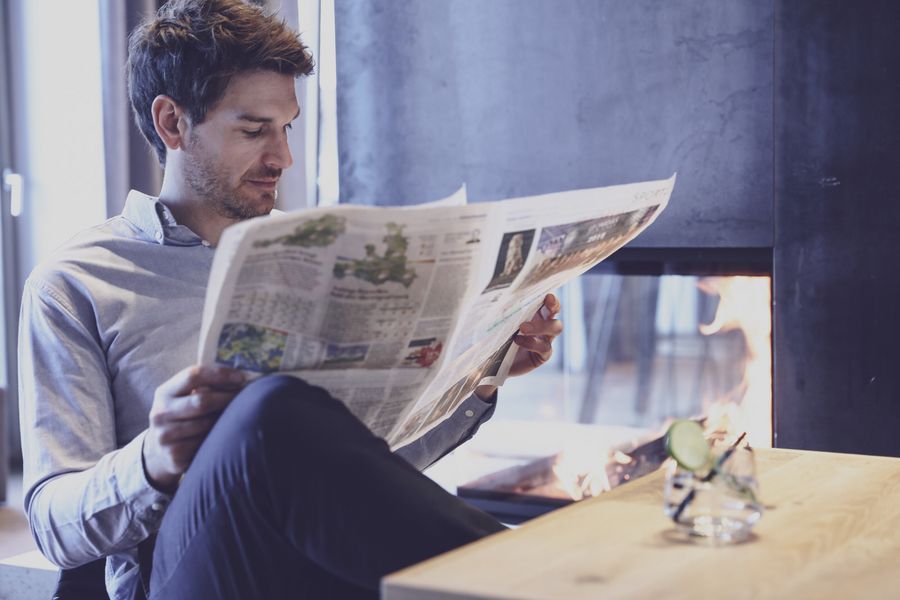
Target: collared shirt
x=109, y=317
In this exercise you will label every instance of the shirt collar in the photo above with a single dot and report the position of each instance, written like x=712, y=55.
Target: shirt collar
x=156, y=221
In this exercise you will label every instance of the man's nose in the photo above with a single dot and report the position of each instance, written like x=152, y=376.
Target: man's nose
x=278, y=154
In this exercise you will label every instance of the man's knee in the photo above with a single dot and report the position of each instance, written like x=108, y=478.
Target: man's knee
x=270, y=426
x=277, y=401
x=284, y=410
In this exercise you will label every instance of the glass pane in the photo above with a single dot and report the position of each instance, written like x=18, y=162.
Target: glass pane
x=637, y=351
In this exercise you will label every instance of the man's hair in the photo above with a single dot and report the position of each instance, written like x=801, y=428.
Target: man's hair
x=190, y=50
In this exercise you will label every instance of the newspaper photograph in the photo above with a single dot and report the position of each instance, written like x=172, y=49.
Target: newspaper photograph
x=401, y=312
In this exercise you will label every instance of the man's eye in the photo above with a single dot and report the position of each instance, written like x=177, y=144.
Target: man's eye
x=254, y=133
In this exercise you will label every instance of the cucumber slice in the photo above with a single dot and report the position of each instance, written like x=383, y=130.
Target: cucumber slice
x=686, y=444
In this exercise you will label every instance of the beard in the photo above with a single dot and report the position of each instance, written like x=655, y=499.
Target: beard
x=209, y=180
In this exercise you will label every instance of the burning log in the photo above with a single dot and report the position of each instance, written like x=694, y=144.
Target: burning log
x=522, y=492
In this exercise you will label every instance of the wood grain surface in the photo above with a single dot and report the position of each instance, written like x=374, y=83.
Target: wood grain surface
x=831, y=530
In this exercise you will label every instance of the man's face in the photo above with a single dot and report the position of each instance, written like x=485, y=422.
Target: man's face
x=236, y=155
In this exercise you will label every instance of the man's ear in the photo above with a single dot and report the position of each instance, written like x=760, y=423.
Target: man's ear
x=170, y=121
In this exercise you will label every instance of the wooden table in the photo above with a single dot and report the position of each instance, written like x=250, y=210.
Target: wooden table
x=832, y=531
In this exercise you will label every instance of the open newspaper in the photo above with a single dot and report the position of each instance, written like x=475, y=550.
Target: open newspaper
x=400, y=312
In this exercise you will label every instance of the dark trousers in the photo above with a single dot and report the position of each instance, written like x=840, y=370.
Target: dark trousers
x=291, y=496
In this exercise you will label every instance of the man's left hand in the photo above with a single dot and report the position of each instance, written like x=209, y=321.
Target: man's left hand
x=535, y=341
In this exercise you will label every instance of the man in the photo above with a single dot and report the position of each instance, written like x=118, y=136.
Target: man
x=287, y=495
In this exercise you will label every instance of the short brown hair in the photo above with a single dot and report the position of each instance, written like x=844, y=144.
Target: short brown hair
x=190, y=50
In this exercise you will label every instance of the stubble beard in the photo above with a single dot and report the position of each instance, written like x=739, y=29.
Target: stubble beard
x=210, y=183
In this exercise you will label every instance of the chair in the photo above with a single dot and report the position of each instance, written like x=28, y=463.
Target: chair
x=87, y=582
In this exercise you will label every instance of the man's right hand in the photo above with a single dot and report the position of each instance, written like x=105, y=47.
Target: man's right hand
x=184, y=410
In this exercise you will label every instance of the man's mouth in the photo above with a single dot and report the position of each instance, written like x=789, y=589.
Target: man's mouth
x=268, y=185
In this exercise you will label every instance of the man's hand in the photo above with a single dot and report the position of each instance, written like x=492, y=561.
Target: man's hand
x=535, y=341
x=184, y=410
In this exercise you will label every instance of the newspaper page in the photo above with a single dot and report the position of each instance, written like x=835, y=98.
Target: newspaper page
x=401, y=312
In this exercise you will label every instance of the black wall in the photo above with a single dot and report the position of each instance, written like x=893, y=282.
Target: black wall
x=837, y=210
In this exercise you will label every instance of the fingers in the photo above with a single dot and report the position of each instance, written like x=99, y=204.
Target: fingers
x=203, y=402
x=552, y=305
x=195, y=392
x=180, y=431
x=184, y=410
x=199, y=376
x=539, y=348
x=549, y=309
x=543, y=324
x=537, y=335
x=544, y=327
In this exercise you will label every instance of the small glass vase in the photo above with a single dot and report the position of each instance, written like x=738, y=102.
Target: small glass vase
x=718, y=505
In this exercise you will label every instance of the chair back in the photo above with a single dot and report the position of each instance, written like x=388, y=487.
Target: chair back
x=87, y=582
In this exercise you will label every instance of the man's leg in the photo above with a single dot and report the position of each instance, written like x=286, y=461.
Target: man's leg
x=291, y=496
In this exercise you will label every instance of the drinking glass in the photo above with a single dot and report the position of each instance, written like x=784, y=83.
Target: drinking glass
x=719, y=505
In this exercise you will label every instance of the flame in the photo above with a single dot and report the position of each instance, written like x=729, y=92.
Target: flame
x=580, y=470
x=745, y=305
x=584, y=470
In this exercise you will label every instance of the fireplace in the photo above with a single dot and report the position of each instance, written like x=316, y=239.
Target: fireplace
x=651, y=335
x=805, y=195
x=536, y=486
x=779, y=116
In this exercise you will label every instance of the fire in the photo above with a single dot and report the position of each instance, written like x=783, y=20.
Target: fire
x=588, y=466
x=745, y=305
x=580, y=470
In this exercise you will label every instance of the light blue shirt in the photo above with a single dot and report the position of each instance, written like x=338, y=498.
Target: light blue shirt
x=109, y=317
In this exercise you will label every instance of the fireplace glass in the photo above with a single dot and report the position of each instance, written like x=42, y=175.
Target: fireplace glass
x=637, y=352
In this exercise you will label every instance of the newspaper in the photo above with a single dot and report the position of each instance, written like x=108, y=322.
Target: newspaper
x=401, y=312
